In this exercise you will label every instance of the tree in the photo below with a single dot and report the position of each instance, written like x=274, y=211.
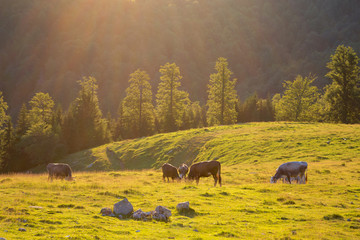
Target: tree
x=171, y=102
x=298, y=101
x=137, y=104
x=22, y=124
x=343, y=95
x=4, y=123
x=221, y=95
x=83, y=125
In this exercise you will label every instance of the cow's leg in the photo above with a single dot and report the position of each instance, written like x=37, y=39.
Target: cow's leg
x=220, y=180
x=215, y=179
x=289, y=178
x=197, y=180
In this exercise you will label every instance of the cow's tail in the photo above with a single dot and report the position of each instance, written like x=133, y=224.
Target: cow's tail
x=219, y=174
x=306, y=177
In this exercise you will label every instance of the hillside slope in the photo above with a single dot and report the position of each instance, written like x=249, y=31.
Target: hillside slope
x=256, y=143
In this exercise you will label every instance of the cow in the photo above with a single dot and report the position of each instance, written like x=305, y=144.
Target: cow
x=59, y=170
x=183, y=170
x=205, y=169
x=169, y=171
x=298, y=179
x=289, y=170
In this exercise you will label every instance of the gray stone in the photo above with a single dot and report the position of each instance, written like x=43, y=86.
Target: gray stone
x=159, y=217
x=184, y=206
x=123, y=208
x=107, y=212
x=163, y=210
x=22, y=229
x=141, y=215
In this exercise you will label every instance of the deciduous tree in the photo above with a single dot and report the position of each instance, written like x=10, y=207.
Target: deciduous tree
x=343, y=95
x=298, y=101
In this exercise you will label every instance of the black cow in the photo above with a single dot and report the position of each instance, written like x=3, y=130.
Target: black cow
x=289, y=170
x=169, y=171
x=59, y=170
x=205, y=169
x=183, y=170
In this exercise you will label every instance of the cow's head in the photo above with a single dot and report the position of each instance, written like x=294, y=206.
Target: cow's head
x=69, y=178
x=273, y=179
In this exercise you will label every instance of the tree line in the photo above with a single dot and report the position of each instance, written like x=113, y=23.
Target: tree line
x=44, y=132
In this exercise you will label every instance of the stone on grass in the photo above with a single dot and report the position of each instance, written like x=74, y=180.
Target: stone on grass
x=141, y=215
x=163, y=210
x=184, y=206
x=123, y=208
x=22, y=229
x=107, y=212
x=161, y=214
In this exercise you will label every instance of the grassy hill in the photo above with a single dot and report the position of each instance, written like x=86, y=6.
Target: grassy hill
x=247, y=206
x=256, y=143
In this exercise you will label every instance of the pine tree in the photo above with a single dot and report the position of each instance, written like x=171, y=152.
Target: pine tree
x=137, y=104
x=343, y=95
x=84, y=126
x=299, y=100
x=22, y=124
x=221, y=95
x=4, y=123
x=171, y=102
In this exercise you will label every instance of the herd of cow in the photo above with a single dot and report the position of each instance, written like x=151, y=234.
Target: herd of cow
x=289, y=172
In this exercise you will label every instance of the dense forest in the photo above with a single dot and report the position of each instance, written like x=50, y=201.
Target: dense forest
x=47, y=46
x=76, y=75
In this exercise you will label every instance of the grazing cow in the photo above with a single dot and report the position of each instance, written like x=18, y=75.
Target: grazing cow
x=59, y=170
x=169, y=171
x=289, y=170
x=183, y=170
x=205, y=169
x=298, y=179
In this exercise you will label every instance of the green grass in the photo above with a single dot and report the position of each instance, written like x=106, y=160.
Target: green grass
x=247, y=206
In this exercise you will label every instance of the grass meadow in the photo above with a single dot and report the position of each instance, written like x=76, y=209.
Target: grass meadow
x=247, y=206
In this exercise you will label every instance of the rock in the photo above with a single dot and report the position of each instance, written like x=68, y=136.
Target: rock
x=184, y=206
x=123, y=208
x=22, y=229
x=140, y=215
x=185, y=209
x=2, y=239
x=159, y=217
x=163, y=210
x=107, y=212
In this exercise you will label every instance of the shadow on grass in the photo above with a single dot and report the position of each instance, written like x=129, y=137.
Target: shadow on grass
x=188, y=212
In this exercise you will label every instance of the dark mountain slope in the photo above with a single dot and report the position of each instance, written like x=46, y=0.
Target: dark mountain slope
x=49, y=45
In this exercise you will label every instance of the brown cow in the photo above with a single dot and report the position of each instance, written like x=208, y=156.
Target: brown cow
x=169, y=171
x=205, y=169
x=59, y=170
x=183, y=170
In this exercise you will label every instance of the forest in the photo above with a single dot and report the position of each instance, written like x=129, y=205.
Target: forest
x=47, y=46
x=76, y=75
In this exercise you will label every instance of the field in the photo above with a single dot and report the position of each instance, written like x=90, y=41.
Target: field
x=247, y=206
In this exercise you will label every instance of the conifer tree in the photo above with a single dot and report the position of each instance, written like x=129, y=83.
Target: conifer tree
x=137, y=105
x=171, y=102
x=221, y=95
x=343, y=94
x=22, y=123
x=4, y=122
x=84, y=126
